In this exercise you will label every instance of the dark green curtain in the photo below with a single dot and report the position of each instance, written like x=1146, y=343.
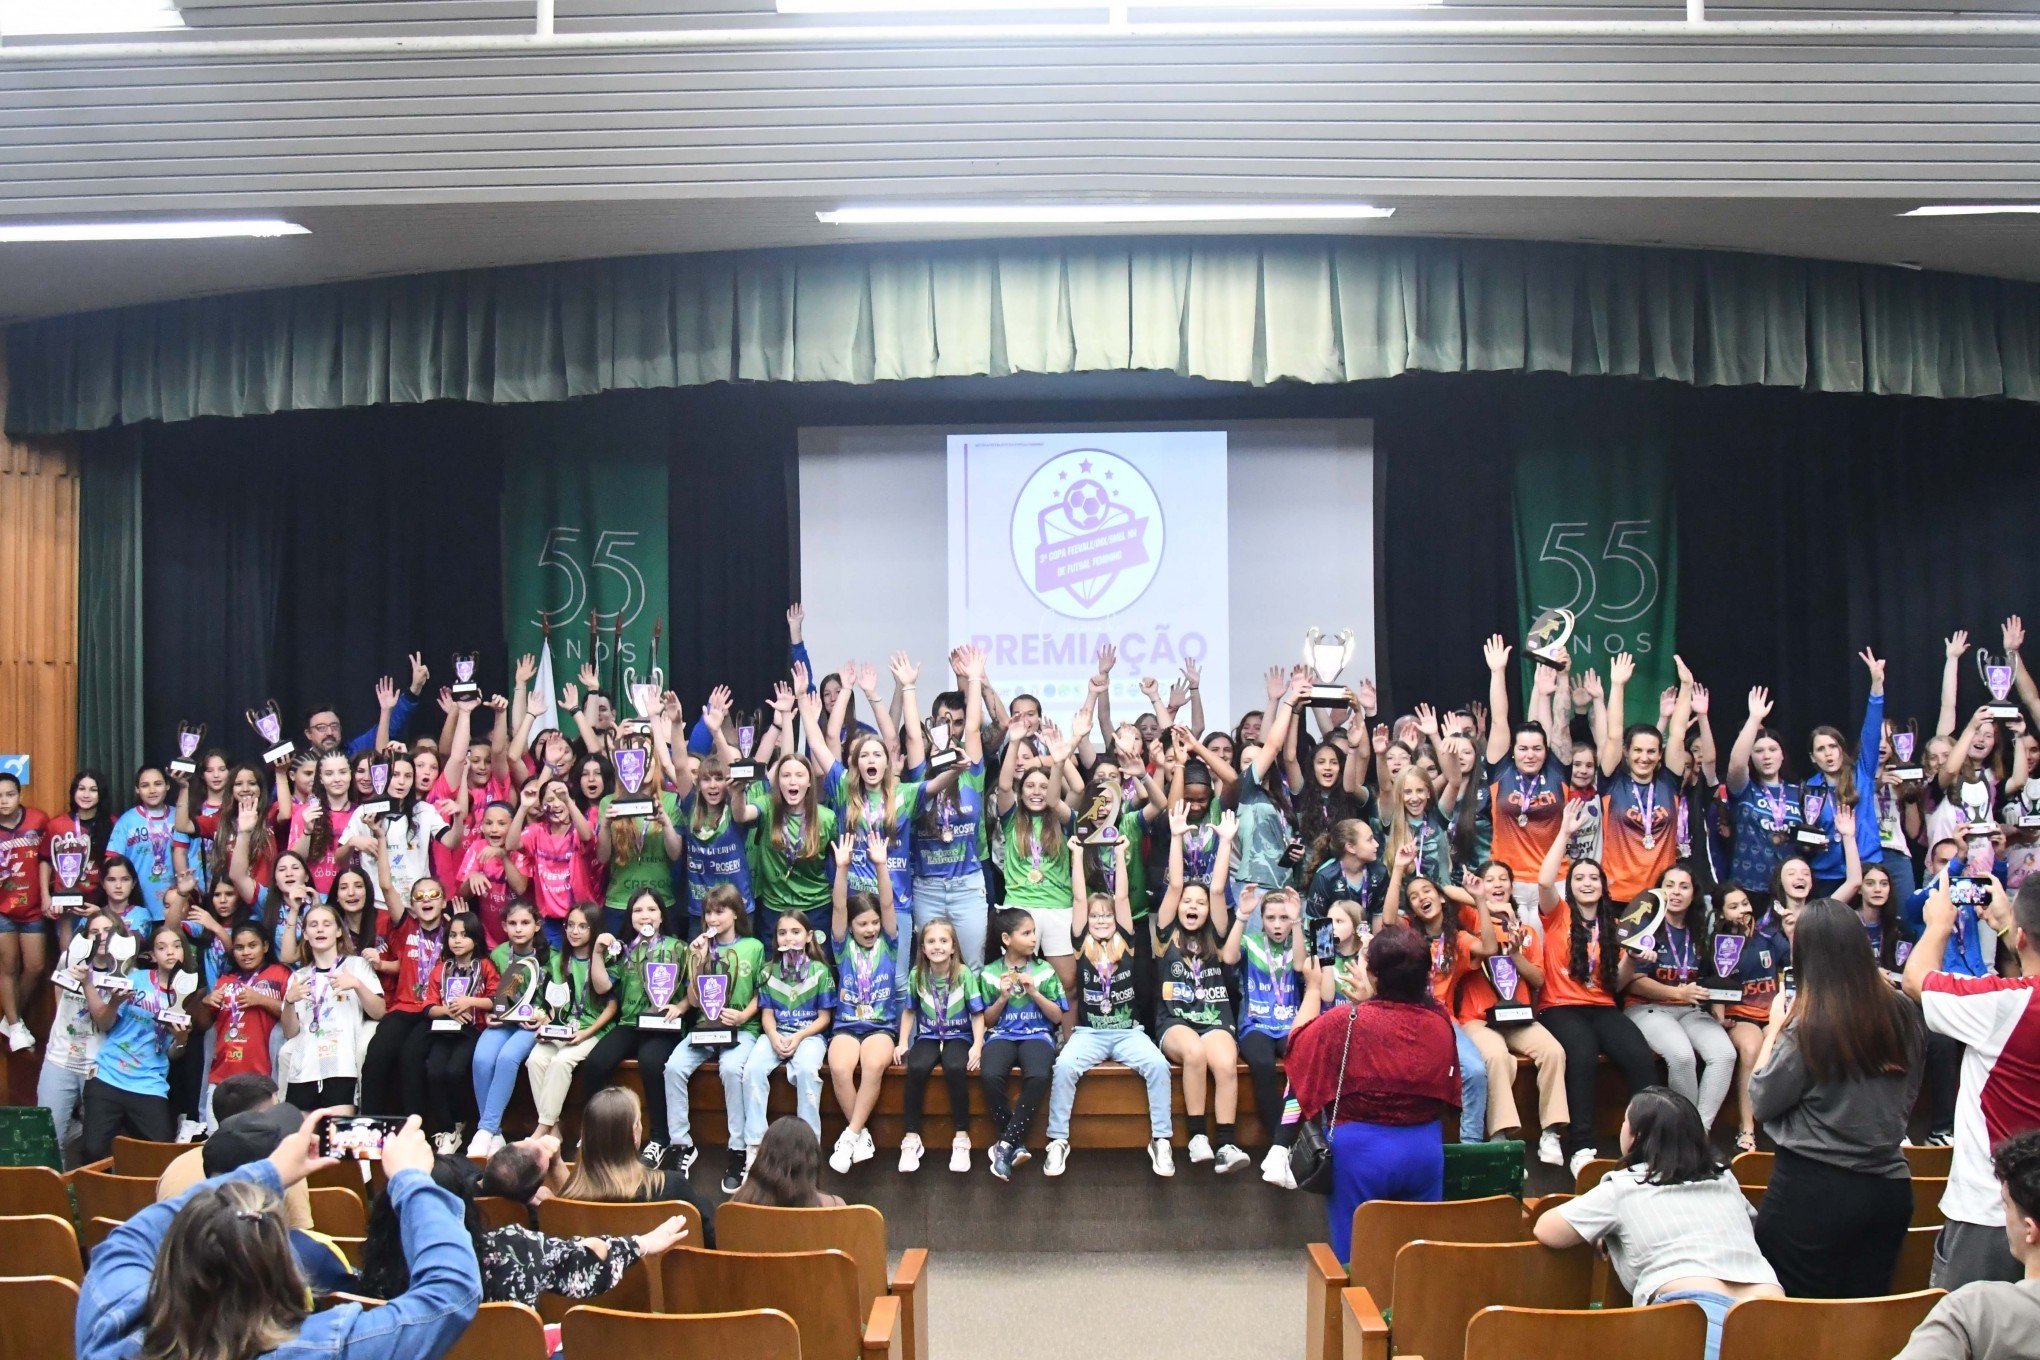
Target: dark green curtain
x=1305, y=309
x=110, y=614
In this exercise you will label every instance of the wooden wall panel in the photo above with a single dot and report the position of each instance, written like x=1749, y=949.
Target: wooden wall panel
x=39, y=609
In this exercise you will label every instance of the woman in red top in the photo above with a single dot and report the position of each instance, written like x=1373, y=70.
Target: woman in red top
x=1585, y=970
x=1384, y=1071
x=393, y=1069
x=87, y=815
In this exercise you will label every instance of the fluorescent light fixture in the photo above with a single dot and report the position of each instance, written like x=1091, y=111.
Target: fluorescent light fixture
x=148, y=231
x=1971, y=209
x=1021, y=6
x=26, y=18
x=1086, y=214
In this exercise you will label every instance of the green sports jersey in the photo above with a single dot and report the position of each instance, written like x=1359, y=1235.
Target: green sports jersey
x=649, y=867
x=797, y=998
x=627, y=973
x=583, y=1003
x=943, y=1007
x=1022, y=1019
x=1034, y=877
x=784, y=878
x=742, y=962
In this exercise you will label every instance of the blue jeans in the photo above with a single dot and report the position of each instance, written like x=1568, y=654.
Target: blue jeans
x=1716, y=1307
x=687, y=1059
x=499, y=1057
x=1381, y=1161
x=1472, y=1089
x=1087, y=1048
x=960, y=901
x=60, y=1090
x=803, y=1070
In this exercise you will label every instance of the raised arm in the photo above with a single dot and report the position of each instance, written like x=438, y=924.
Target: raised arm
x=1738, y=773
x=1951, y=677
x=881, y=716
x=1278, y=732
x=1496, y=653
x=1682, y=718
x=973, y=705
x=913, y=740
x=1620, y=669
x=1195, y=682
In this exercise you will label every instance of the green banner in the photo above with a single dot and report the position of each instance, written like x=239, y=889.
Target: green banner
x=1595, y=534
x=584, y=566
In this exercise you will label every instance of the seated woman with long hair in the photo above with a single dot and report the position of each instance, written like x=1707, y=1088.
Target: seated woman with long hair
x=1672, y=1218
x=786, y=1173
x=210, y=1274
x=610, y=1170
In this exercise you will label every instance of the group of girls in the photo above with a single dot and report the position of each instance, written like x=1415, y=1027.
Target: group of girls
x=417, y=921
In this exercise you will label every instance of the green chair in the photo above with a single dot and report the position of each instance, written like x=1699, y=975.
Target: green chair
x=28, y=1137
x=1477, y=1170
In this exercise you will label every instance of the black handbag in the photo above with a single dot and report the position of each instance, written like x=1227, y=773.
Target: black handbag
x=1310, y=1156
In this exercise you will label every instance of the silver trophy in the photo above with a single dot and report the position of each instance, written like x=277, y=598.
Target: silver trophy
x=1326, y=660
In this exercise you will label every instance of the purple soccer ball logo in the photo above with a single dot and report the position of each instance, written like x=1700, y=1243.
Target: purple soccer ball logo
x=1086, y=503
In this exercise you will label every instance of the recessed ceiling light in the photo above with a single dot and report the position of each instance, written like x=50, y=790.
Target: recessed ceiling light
x=1971, y=209
x=24, y=18
x=148, y=231
x=1032, y=214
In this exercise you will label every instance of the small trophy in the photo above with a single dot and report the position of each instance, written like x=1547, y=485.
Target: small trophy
x=1502, y=972
x=268, y=725
x=745, y=770
x=1727, y=955
x=1905, y=741
x=662, y=980
x=633, y=771
x=557, y=995
x=715, y=994
x=1549, y=633
x=643, y=693
x=941, y=760
x=116, y=981
x=79, y=951
x=67, y=861
x=1638, y=927
x=1096, y=826
x=522, y=1009
x=1810, y=835
x=182, y=985
x=1998, y=673
x=378, y=781
x=1326, y=660
x=188, y=738
x=456, y=988
x=464, y=686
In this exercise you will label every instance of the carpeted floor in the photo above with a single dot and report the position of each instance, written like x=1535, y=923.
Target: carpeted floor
x=1214, y=1305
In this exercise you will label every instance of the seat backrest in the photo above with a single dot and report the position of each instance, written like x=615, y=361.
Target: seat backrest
x=338, y=1213
x=1792, y=1329
x=1753, y=1168
x=502, y=1331
x=341, y=1175
x=102, y=1194
x=857, y=1230
x=350, y=1247
x=817, y=1289
x=1754, y=1194
x=1927, y=1192
x=38, y=1315
x=40, y=1244
x=33, y=1190
x=1383, y=1227
x=1915, y=1267
x=1591, y=1174
x=139, y=1157
x=756, y=1334
x=97, y=1230
x=1666, y=1329
x=500, y=1212
x=1930, y=1161
x=1439, y=1286
x=592, y=1218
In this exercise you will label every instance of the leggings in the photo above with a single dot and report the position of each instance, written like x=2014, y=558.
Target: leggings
x=1270, y=1089
x=449, y=1077
x=954, y=1055
x=1381, y=1161
x=1699, y=1056
x=499, y=1057
x=1036, y=1060
x=393, y=1069
x=1943, y=1079
x=1587, y=1032
x=1830, y=1233
x=651, y=1048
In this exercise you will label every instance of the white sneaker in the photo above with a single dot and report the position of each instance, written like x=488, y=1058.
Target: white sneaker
x=839, y=1157
x=1162, y=1157
x=1579, y=1161
x=1200, y=1149
x=1058, y=1157
x=863, y=1150
x=189, y=1130
x=959, y=1153
x=1275, y=1167
x=20, y=1038
x=910, y=1154
x=478, y=1146
x=1230, y=1159
x=1548, y=1150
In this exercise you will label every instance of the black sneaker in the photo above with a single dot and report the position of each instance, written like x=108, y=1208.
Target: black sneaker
x=733, y=1178
x=681, y=1157
x=654, y=1154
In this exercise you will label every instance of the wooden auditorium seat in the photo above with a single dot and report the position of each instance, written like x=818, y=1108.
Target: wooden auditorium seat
x=1381, y=1228
x=40, y=1244
x=1591, y=1174
x=1439, y=1286
x=1792, y=1329
x=817, y=1289
x=342, y=1175
x=97, y=1230
x=1674, y=1331
x=638, y=1291
x=756, y=1334
x=1915, y=1261
x=1927, y=1191
x=503, y=1331
x=498, y=1212
x=139, y=1157
x=1753, y=1168
x=1929, y=1161
x=338, y=1213
x=38, y=1317
x=34, y=1190
x=101, y=1194
x=857, y=1230
x=350, y=1247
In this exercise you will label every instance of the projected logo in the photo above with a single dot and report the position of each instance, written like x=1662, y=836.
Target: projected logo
x=1087, y=533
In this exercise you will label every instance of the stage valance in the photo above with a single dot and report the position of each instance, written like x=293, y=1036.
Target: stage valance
x=1258, y=311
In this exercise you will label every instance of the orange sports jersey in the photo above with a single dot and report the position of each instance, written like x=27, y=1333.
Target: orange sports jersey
x=1560, y=987
x=1477, y=994
x=1527, y=812
x=1446, y=973
x=1639, y=832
